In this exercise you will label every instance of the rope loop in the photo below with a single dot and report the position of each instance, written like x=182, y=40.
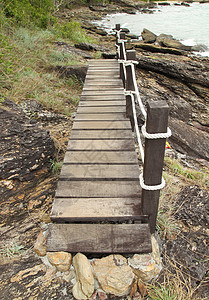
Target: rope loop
x=155, y=135
x=151, y=187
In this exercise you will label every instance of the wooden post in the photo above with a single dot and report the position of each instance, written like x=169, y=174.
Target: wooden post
x=117, y=28
x=122, y=56
x=131, y=55
x=157, y=122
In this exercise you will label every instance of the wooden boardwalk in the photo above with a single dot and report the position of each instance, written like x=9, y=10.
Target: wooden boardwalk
x=97, y=207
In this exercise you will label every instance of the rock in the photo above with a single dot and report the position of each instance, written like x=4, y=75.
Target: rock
x=185, y=4
x=162, y=37
x=172, y=43
x=190, y=248
x=132, y=36
x=25, y=147
x=164, y=3
x=148, y=36
x=156, y=49
x=60, y=260
x=69, y=71
x=147, y=11
x=144, y=266
x=129, y=10
x=90, y=47
x=40, y=245
x=186, y=138
x=126, y=30
x=69, y=276
x=108, y=55
x=84, y=286
x=70, y=49
x=100, y=31
x=200, y=48
x=113, y=274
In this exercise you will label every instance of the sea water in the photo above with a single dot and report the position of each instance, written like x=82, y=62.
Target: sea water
x=187, y=24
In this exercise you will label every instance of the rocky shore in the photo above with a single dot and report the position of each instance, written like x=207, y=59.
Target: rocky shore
x=27, y=184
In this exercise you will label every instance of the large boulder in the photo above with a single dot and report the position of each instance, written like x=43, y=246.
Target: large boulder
x=188, y=139
x=25, y=146
x=166, y=40
x=70, y=71
x=148, y=36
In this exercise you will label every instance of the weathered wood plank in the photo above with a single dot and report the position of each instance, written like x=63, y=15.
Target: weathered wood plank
x=102, y=76
x=102, y=125
x=102, y=103
x=96, y=134
x=100, y=188
x=102, y=97
x=100, y=117
x=107, y=82
x=99, y=171
x=95, y=209
x=110, y=157
x=101, y=109
x=104, y=93
x=102, y=238
x=103, y=88
x=108, y=145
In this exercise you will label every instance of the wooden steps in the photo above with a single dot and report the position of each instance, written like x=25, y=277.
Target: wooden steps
x=99, y=180
x=104, y=238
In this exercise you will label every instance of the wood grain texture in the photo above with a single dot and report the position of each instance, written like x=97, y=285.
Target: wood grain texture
x=98, y=134
x=99, y=171
x=106, y=125
x=102, y=109
x=108, y=145
x=100, y=117
x=100, y=238
x=96, y=209
x=102, y=103
x=101, y=189
x=110, y=157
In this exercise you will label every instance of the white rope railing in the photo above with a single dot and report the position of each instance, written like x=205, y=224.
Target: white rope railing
x=135, y=95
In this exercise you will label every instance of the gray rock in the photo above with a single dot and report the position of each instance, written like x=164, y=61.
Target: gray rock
x=188, y=139
x=148, y=36
x=157, y=49
x=24, y=146
x=90, y=47
x=69, y=71
x=172, y=43
x=199, y=48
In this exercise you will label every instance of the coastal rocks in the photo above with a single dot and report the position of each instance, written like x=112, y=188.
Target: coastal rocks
x=190, y=249
x=155, y=48
x=173, y=43
x=113, y=274
x=40, y=245
x=147, y=266
x=186, y=138
x=68, y=71
x=70, y=49
x=91, y=47
x=25, y=147
x=84, y=286
x=148, y=36
x=60, y=260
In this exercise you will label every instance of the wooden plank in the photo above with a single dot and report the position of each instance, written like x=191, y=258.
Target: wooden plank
x=106, y=125
x=102, y=238
x=102, y=103
x=102, y=76
x=100, y=189
x=110, y=92
x=100, y=117
x=102, y=97
x=103, y=88
x=108, y=145
x=99, y=171
x=110, y=157
x=95, y=134
x=101, y=110
x=106, y=82
x=95, y=209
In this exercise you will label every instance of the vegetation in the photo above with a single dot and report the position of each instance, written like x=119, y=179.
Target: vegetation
x=28, y=54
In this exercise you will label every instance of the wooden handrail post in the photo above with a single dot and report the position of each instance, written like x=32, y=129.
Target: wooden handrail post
x=157, y=122
x=130, y=55
x=122, y=57
x=117, y=28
